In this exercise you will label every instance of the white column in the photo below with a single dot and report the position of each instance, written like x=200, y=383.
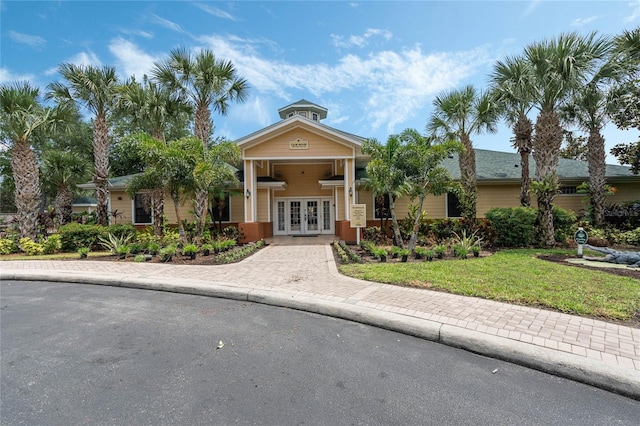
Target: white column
x=347, y=182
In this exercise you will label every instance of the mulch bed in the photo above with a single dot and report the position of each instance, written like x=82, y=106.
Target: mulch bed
x=176, y=260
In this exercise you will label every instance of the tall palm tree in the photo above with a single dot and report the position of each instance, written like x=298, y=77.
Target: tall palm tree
x=208, y=83
x=157, y=110
x=64, y=170
x=560, y=67
x=458, y=115
x=96, y=90
x=385, y=175
x=510, y=82
x=23, y=116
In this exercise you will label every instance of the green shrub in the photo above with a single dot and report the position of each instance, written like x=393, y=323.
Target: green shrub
x=419, y=252
x=83, y=252
x=564, y=223
x=167, y=253
x=136, y=248
x=30, y=247
x=153, y=248
x=630, y=238
x=8, y=246
x=466, y=241
x=207, y=249
x=121, y=230
x=460, y=252
x=140, y=258
x=189, y=249
x=440, y=251
x=515, y=225
x=76, y=235
x=239, y=253
x=170, y=237
x=53, y=244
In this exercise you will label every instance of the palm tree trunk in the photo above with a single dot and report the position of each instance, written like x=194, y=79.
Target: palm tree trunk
x=158, y=210
x=27, y=182
x=202, y=132
x=416, y=225
x=63, y=205
x=597, y=179
x=101, y=164
x=397, y=236
x=522, y=131
x=467, y=163
x=547, y=142
x=175, y=196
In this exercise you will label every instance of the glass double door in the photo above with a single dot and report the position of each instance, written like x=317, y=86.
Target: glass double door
x=303, y=216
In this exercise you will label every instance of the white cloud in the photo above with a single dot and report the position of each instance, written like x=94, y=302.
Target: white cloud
x=31, y=40
x=138, y=33
x=214, y=11
x=85, y=59
x=583, y=21
x=397, y=84
x=533, y=5
x=130, y=59
x=635, y=12
x=166, y=23
x=361, y=40
x=7, y=76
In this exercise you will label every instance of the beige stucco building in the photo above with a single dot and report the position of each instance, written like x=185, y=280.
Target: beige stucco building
x=300, y=177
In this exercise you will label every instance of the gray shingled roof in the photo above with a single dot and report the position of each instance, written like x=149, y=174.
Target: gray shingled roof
x=504, y=166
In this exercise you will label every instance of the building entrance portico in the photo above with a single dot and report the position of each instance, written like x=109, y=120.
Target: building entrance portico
x=303, y=216
x=299, y=176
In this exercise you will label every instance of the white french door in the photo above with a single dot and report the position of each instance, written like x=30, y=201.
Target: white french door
x=303, y=216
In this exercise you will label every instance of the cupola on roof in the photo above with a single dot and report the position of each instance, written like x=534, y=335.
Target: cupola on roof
x=303, y=108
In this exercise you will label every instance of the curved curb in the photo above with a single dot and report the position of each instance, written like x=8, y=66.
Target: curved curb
x=615, y=379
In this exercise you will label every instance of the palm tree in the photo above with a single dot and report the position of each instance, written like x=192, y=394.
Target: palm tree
x=23, y=116
x=95, y=89
x=422, y=162
x=208, y=83
x=510, y=83
x=459, y=114
x=157, y=110
x=559, y=67
x=385, y=175
x=63, y=171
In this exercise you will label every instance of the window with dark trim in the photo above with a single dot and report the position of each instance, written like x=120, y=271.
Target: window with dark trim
x=220, y=209
x=142, y=213
x=568, y=190
x=454, y=209
x=382, y=209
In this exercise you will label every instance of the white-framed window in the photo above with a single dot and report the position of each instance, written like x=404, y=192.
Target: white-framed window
x=142, y=209
x=381, y=207
x=220, y=209
x=290, y=115
x=454, y=209
x=314, y=116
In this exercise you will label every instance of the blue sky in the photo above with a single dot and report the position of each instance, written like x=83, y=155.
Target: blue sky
x=376, y=66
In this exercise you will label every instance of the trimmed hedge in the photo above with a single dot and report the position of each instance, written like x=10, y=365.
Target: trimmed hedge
x=515, y=225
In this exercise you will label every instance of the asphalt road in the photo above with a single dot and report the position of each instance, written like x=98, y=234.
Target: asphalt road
x=78, y=354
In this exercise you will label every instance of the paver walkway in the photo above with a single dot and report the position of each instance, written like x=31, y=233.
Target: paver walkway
x=308, y=269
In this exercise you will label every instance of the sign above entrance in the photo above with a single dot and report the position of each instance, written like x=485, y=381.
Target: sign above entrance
x=298, y=144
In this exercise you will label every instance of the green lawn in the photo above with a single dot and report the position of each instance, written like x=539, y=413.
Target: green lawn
x=516, y=276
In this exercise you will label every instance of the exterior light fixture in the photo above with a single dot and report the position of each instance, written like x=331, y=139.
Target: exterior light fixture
x=248, y=193
x=350, y=191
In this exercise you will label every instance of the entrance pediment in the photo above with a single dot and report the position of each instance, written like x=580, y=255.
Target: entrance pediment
x=299, y=143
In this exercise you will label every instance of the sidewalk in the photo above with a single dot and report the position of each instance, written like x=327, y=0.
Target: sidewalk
x=304, y=276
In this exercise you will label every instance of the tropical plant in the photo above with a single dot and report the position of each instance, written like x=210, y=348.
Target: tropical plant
x=440, y=250
x=167, y=253
x=189, y=250
x=64, y=170
x=155, y=109
x=510, y=83
x=385, y=175
x=83, y=252
x=114, y=243
x=559, y=67
x=96, y=90
x=30, y=247
x=206, y=82
x=459, y=114
x=421, y=160
x=23, y=117
x=465, y=240
x=52, y=244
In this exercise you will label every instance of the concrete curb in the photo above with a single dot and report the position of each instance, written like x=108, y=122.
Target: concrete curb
x=622, y=381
